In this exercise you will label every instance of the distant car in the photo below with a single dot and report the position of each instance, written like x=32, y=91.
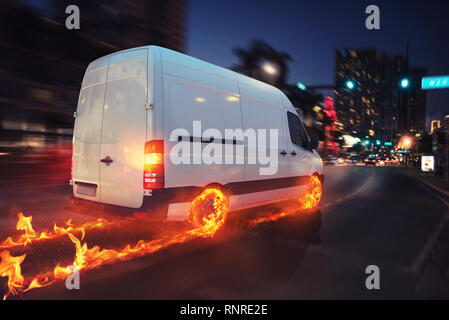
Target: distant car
x=370, y=162
x=394, y=162
x=329, y=161
x=353, y=160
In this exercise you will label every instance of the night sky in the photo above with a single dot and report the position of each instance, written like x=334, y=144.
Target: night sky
x=310, y=31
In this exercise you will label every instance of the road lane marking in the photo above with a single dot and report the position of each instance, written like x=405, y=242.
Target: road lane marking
x=348, y=196
x=422, y=255
x=430, y=185
x=354, y=258
x=340, y=260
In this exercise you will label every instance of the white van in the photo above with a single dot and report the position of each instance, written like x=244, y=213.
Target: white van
x=131, y=102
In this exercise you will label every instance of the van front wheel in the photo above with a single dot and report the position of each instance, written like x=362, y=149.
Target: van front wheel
x=313, y=194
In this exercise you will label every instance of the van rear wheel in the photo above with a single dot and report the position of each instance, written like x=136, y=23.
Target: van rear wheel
x=209, y=211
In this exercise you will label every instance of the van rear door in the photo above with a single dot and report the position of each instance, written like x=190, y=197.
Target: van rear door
x=87, y=132
x=123, y=133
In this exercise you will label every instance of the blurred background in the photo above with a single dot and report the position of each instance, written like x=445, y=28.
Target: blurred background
x=359, y=90
x=42, y=65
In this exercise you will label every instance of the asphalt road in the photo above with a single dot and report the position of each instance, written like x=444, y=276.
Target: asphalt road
x=369, y=216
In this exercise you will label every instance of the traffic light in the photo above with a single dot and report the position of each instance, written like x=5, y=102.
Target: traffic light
x=366, y=142
x=405, y=82
x=301, y=86
x=350, y=84
x=378, y=142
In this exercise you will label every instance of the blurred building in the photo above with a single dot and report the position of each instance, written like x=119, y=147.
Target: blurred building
x=440, y=144
x=369, y=99
x=415, y=107
x=434, y=125
x=42, y=63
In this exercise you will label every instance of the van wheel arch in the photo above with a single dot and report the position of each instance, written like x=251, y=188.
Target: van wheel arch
x=320, y=176
x=201, y=207
x=216, y=185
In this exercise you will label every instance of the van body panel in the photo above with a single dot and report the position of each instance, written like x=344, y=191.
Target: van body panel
x=197, y=91
x=262, y=109
x=299, y=165
x=269, y=196
x=183, y=66
x=87, y=130
x=316, y=165
x=155, y=108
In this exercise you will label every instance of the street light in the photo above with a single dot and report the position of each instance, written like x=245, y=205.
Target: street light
x=350, y=84
x=269, y=68
x=406, y=142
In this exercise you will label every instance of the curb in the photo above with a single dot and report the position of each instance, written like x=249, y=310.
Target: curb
x=446, y=193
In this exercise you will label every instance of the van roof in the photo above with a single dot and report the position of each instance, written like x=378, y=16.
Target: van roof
x=124, y=50
x=238, y=75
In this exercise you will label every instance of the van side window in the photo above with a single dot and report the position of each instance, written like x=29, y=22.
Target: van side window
x=297, y=132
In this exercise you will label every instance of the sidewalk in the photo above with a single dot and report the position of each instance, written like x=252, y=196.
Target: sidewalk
x=433, y=181
x=433, y=281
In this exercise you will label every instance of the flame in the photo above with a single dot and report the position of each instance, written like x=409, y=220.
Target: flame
x=269, y=218
x=24, y=224
x=309, y=200
x=208, y=223
x=30, y=236
x=91, y=258
x=36, y=283
x=10, y=267
x=205, y=226
x=313, y=196
x=208, y=214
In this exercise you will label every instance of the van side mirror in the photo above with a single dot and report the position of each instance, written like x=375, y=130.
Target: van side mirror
x=314, y=142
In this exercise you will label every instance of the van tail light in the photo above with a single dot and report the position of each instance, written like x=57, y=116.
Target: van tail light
x=153, y=175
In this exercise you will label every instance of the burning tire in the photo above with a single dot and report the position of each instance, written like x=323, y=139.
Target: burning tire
x=313, y=195
x=209, y=211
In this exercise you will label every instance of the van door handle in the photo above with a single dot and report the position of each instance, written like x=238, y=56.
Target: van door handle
x=293, y=153
x=107, y=160
x=284, y=153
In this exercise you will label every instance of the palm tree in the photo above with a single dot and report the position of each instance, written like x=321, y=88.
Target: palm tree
x=262, y=62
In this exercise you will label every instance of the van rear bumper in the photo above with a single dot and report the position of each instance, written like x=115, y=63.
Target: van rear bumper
x=154, y=207
x=147, y=210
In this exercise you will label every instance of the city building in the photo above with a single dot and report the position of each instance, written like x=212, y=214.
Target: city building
x=42, y=62
x=415, y=108
x=370, y=98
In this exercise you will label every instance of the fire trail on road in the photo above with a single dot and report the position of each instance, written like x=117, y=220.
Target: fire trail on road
x=95, y=257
